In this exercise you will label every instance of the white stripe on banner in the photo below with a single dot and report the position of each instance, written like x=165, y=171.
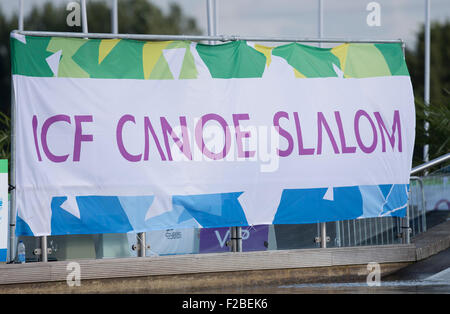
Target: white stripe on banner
x=260, y=138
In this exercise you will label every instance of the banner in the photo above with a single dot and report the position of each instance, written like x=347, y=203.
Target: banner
x=121, y=135
x=4, y=210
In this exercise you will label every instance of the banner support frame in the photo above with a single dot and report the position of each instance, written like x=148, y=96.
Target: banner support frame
x=221, y=38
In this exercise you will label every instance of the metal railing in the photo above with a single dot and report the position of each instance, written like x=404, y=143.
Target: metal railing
x=430, y=164
x=389, y=230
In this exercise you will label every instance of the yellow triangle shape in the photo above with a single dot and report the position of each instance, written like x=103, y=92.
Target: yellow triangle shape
x=267, y=51
x=106, y=45
x=298, y=74
x=341, y=52
x=151, y=53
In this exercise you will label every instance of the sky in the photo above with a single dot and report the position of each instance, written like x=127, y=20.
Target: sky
x=290, y=18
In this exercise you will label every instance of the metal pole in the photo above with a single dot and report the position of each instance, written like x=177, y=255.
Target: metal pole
x=84, y=22
x=141, y=244
x=114, y=18
x=320, y=21
x=12, y=211
x=323, y=235
x=338, y=233
x=323, y=225
x=215, y=18
x=424, y=210
x=44, y=250
x=233, y=239
x=209, y=18
x=427, y=74
x=239, y=239
x=405, y=231
x=20, y=23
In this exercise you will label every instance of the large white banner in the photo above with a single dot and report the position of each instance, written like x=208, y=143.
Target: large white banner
x=135, y=155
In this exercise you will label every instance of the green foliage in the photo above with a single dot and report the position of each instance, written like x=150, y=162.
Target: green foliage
x=5, y=138
x=437, y=114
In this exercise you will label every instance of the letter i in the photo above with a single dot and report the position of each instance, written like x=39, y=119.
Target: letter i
x=36, y=144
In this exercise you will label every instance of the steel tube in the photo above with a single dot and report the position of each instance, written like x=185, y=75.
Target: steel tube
x=233, y=239
x=84, y=22
x=21, y=13
x=12, y=210
x=323, y=235
x=320, y=22
x=114, y=18
x=430, y=164
x=222, y=38
x=44, y=249
x=239, y=239
x=142, y=244
x=427, y=73
x=338, y=233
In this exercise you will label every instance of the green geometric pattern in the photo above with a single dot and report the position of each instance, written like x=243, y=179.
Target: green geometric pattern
x=308, y=60
x=132, y=59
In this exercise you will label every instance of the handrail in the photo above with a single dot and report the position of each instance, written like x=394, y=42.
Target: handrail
x=430, y=164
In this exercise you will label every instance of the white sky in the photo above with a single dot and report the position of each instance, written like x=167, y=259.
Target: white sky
x=342, y=18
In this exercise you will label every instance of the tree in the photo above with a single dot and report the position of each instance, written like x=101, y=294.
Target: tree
x=438, y=111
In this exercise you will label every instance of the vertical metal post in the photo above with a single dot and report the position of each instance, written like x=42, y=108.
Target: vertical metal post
x=233, y=239
x=405, y=231
x=142, y=246
x=365, y=231
x=323, y=235
x=238, y=239
x=338, y=234
x=21, y=13
x=424, y=210
x=215, y=18
x=392, y=230
x=12, y=211
x=84, y=22
x=320, y=21
x=209, y=18
x=44, y=249
x=426, y=156
x=360, y=231
x=114, y=17
x=323, y=225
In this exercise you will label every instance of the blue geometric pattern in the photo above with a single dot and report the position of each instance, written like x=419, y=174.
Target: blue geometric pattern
x=309, y=205
x=122, y=214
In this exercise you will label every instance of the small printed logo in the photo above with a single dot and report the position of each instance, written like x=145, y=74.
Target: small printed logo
x=173, y=235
